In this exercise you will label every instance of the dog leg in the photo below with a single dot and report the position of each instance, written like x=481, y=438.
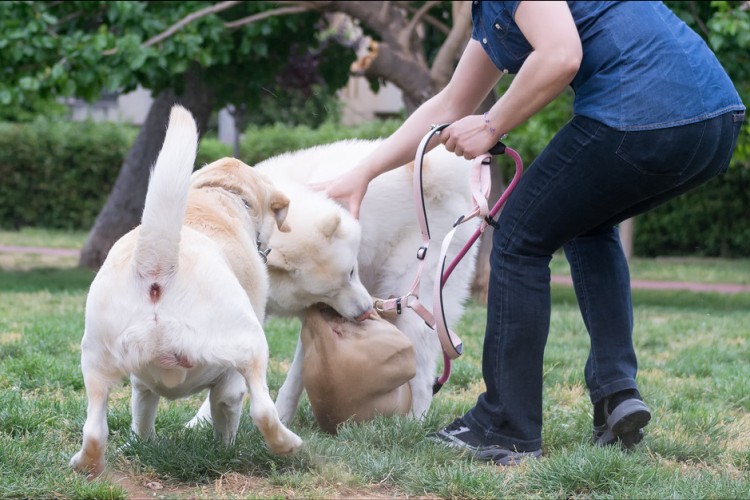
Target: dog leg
x=290, y=392
x=90, y=459
x=279, y=439
x=203, y=415
x=427, y=349
x=225, y=406
x=143, y=405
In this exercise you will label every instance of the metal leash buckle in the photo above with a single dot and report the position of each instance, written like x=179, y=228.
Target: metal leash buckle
x=263, y=253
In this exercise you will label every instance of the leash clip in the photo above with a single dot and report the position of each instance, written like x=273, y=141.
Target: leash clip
x=422, y=252
x=263, y=253
x=491, y=222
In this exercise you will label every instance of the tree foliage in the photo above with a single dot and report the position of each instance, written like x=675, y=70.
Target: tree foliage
x=81, y=48
x=726, y=28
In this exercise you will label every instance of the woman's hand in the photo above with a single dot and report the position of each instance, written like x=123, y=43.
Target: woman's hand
x=469, y=137
x=349, y=189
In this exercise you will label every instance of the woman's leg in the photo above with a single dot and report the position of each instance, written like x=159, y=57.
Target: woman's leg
x=589, y=178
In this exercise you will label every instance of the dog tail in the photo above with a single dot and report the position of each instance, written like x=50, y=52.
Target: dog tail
x=157, y=251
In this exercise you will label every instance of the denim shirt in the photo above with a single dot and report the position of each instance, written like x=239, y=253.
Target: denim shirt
x=642, y=68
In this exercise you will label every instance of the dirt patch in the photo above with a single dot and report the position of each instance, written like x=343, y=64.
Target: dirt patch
x=235, y=485
x=143, y=487
x=10, y=337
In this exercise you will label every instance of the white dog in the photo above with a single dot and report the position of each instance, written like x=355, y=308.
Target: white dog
x=180, y=301
x=327, y=257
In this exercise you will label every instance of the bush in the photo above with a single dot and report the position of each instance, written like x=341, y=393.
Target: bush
x=57, y=174
x=711, y=221
x=259, y=143
x=210, y=149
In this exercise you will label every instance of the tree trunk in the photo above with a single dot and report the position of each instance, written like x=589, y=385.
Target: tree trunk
x=627, y=233
x=124, y=206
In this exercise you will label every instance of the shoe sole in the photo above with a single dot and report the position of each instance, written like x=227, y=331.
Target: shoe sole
x=495, y=454
x=515, y=458
x=603, y=436
x=629, y=417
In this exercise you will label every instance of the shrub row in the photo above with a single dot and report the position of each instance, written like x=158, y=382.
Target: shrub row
x=711, y=221
x=58, y=175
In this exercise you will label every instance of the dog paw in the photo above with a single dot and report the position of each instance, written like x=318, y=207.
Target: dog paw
x=86, y=464
x=288, y=444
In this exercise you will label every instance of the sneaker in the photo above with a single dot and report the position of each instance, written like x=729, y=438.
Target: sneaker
x=458, y=435
x=603, y=436
x=619, y=419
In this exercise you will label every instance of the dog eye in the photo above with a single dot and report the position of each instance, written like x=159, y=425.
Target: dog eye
x=351, y=274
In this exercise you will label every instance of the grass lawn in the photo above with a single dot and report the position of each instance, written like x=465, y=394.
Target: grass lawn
x=694, y=355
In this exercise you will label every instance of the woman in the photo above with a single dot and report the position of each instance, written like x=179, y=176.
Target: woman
x=655, y=115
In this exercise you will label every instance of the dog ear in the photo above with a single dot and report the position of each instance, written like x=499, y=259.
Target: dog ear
x=329, y=225
x=280, y=208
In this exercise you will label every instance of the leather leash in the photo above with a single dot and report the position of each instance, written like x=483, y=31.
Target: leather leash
x=450, y=342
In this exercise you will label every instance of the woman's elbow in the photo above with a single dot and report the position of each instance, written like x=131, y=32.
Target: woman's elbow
x=568, y=61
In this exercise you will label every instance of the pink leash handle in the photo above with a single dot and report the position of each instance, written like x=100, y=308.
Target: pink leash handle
x=495, y=209
x=499, y=148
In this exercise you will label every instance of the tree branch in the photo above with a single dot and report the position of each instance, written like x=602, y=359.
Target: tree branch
x=377, y=16
x=417, y=17
x=281, y=11
x=189, y=19
x=698, y=20
x=445, y=60
x=181, y=24
x=442, y=27
x=393, y=65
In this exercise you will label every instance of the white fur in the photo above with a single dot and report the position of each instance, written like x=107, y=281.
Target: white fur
x=385, y=259
x=169, y=309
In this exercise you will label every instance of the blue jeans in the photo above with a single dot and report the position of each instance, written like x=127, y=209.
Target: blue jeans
x=588, y=179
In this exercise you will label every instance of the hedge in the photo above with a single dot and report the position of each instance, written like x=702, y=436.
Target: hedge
x=58, y=175
x=711, y=221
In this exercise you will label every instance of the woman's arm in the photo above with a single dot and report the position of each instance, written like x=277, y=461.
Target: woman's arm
x=474, y=78
x=547, y=71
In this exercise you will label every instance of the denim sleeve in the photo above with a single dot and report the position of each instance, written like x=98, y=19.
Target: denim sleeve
x=477, y=9
x=512, y=7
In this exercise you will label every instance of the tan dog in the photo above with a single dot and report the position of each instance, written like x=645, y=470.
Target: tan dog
x=180, y=301
x=355, y=371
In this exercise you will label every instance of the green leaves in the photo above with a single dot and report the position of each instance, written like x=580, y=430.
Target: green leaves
x=78, y=48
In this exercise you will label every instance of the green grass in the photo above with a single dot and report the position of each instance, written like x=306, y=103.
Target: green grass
x=692, y=269
x=694, y=359
x=37, y=237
